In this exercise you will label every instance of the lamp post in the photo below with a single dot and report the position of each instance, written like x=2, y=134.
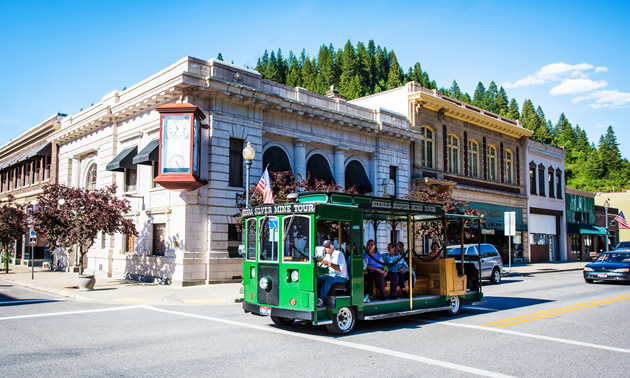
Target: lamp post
x=606, y=206
x=248, y=155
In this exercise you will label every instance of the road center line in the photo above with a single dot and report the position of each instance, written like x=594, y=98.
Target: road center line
x=334, y=341
x=557, y=311
x=530, y=335
x=122, y=308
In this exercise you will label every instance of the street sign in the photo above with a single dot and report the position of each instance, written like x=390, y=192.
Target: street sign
x=32, y=235
x=510, y=223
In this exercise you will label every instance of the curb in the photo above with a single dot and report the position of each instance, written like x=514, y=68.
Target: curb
x=519, y=274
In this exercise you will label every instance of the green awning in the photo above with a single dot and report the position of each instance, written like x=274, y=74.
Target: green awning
x=585, y=229
x=149, y=154
x=123, y=160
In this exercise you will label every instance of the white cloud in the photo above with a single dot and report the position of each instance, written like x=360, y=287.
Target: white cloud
x=601, y=69
x=573, y=86
x=605, y=99
x=553, y=72
x=601, y=125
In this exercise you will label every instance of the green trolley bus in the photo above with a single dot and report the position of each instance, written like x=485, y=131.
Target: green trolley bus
x=283, y=246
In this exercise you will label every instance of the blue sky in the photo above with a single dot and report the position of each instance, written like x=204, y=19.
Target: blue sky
x=570, y=57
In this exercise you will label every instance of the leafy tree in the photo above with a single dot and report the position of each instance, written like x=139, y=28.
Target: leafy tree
x=74, y=216
x=12, y=226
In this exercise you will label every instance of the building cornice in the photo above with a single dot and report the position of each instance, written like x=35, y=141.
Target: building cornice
x=432, y=100
x=30, y=138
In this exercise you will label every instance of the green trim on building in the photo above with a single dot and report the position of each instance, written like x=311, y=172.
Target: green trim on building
x=585, y=229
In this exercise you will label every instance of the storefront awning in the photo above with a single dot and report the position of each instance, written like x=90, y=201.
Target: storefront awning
x=149, y=154
x=355, y=176
x=585, y=229
x=123, y=160
x=319, y=169
x=276, y=160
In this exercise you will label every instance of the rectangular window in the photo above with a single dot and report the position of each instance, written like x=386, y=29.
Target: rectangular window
x=131, y=178
x=541, y=181
x=27, y=174
x=235, y=239
x=251, y=240
x=159, y=239
x=46, y=167
x=532, y=179
x=36, y=168
x=392, y=176
x=156, y=172
x=558, y=184
x=103, y=240
x=236, y=162
x=130, y=243
x=551, y=184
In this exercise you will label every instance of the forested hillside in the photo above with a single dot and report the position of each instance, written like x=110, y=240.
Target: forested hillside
x=364, y=70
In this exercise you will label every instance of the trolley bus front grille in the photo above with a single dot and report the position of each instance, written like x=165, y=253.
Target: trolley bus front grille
x=269, y=296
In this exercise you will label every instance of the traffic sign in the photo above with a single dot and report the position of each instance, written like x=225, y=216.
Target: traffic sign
x=32, y=235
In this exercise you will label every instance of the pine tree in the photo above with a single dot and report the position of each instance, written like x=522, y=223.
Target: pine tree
x=594, y=167
x=326, y=66
x=479, y=97
x=609, y=151
x=491, y=97
x=502, y=103
x=349, y=69
x=372, y=56
x=263, y=64
x=565, y=134
x=415, y=73
x=294, y=76
x=355, y=89
x=394, y=76
x=513, y=112
x=308, y=75
x=281, y=67
x=454, y=92
x=541, y=132
x=528, y=115
x=364, y=68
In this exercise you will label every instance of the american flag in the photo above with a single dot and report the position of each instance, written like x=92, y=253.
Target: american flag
x=264, y=186
x=621, y=220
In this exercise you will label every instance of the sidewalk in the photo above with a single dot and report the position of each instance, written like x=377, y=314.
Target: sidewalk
x=109, y=290
x=538, y=268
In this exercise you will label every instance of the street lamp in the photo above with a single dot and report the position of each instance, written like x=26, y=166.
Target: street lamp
x=606, y=206
x=248, y=155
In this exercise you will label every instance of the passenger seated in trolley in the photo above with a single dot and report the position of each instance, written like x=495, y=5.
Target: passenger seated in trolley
x=398, y=270
x=335, y=261
x=375, y=272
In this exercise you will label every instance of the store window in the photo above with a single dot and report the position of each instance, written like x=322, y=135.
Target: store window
x=159, y=239
x=473, y=158
x=426, y=147
x=453, y=154
x=509, y=173
x=492, y=163
x=131, y=179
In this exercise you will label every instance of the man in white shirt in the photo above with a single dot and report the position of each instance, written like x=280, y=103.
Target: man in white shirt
x=337, y=269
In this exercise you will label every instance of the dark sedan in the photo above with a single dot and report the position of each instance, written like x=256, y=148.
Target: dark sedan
x=609, y=266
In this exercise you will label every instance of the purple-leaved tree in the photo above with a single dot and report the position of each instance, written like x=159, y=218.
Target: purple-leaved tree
x=12, y=226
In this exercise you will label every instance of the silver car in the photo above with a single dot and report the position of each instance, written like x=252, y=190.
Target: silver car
x=490, y=259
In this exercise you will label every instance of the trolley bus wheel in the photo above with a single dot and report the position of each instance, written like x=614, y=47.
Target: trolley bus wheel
x=455, y=306
x=344, y=322
x=282, y=322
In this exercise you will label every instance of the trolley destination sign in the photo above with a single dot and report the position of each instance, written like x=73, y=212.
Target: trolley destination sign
x=403, y=206
x=288, y=208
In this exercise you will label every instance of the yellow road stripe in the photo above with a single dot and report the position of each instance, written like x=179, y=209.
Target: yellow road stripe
x=626, y=296
x=561, y=312
x=128, y=299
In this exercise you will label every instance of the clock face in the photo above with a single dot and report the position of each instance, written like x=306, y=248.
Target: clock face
x=176, y=143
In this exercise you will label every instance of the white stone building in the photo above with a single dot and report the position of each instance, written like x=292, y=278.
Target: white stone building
x=546, y=204
x=188, y=237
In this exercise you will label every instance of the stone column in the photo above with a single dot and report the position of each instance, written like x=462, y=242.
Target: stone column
x=340, y=172
x=299, y=159
x=76, y=171
x=377, y=189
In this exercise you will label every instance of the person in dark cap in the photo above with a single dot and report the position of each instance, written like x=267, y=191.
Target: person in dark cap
x=335, y=261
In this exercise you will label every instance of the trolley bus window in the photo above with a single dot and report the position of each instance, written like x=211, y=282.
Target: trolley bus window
x=296, y=229
x=251, y=239
x=269, y=240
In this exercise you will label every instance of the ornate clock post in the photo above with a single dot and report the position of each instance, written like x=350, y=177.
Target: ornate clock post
x=180, y=147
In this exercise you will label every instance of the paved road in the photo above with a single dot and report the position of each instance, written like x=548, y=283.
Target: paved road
x=550, y=325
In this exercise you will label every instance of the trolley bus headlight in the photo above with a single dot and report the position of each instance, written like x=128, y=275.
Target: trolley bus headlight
x=265, y=283
x=295, y=276
x=252, y=272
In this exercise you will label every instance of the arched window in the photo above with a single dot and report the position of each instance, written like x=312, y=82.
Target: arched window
x=453, y=154
x=276, y=159
x=473, y=158
x=492, y=163
x=317, y=168
x=357, y=178
x=90, y=178
x=426, y=147
x=508, y=167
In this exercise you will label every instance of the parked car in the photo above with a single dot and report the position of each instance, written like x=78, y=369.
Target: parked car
x=623, y=244
x=609, y=266
x=490, y=259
